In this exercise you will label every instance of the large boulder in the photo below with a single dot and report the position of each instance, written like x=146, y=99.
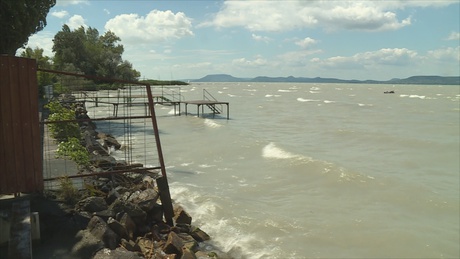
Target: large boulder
x=181, y=216
x=99, y=228
x=92, y=204
x=174, y=244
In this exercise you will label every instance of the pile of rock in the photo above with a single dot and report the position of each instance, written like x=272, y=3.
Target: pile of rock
x=128, y=220
x=123, y=211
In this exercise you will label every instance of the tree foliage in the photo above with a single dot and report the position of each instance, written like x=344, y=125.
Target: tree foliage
x=91, y=53
x=19, y=19
x=42, y=62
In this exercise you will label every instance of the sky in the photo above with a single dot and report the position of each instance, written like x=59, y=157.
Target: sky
x=176, y=40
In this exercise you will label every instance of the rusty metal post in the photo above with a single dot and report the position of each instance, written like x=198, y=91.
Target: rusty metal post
x=162, y=182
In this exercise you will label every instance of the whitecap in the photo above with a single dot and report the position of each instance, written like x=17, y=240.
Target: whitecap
x=211, y=123
x=326, y=101
x=206, y=166
x=173, y=112
x=272, y=151
x=307, y=100
x=417, y=96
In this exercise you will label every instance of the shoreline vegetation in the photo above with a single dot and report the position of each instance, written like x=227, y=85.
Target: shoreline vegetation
x=112, y=216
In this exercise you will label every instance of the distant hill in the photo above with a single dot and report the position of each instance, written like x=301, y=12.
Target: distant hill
x=220, y=78
x=420, y=80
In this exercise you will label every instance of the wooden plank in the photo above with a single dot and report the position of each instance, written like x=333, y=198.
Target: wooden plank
x=25, y=149
x=26, y=177
x=20, y=244
x=3, y=125
x=16, y=134
x=35, y=122
x=8, y=178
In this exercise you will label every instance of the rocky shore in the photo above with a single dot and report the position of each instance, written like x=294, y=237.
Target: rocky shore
x=115, y=215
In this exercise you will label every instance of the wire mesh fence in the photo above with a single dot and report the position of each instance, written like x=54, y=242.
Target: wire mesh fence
x=96, y=128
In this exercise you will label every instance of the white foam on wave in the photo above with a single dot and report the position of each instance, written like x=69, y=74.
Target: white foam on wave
x=206, y=166
x=307, y=100
x=315, y=88
x=228, y=234
x=172, y=112
x=286, y=91
x=413, y=96
x=364, y=104
x=271, y=151
x=417, y=96
x=327, y=101
x=314, y=92
x=210, y=123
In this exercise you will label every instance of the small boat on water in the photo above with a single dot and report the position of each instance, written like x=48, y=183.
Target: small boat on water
x=389, y=92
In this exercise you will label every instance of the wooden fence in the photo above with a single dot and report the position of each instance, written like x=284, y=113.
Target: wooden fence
x=20, y=138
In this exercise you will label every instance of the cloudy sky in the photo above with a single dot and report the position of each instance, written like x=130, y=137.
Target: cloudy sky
x=370, y=39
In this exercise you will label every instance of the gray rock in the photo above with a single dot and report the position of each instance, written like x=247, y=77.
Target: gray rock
x=136, y=213
x=174, y=244
x=92, y=204
x=128, y=224
x=118, y=228
x=189, y=242
x=101, y=230
x=199, y=235
x=118, y=253
x=181, y=216
x=187, y=254
x=130, y=245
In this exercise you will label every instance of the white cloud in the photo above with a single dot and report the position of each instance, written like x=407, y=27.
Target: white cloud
x=154, y=27
x=446, y=54
x=71, y=2
x=260, y=38
x=386, y=57
x=243, y=62
x=364, y=15
x=106, y=11
x=60, y=14
x=42, y=40
x=306, y=43
x=453, y=36
x=76, y=22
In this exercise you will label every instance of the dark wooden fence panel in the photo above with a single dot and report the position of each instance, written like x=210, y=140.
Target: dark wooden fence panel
x=20, y=141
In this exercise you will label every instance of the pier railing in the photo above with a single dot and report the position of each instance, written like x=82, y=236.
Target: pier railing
x=217, y=109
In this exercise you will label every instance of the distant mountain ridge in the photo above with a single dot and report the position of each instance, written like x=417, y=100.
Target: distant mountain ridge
x=420, y=80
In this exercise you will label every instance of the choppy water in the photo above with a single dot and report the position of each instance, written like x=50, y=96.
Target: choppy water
x=320, y=170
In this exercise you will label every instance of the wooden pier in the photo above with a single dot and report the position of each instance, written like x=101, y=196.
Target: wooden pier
x=208, y=100
x=210, y=104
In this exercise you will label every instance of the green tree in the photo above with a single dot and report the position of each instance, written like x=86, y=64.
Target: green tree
x=19, y=19
x=43, y=78
x=92, y=53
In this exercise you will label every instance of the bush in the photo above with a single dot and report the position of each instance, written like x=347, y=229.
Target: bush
x=62, y=131
x=67, y=191
x=74, y=151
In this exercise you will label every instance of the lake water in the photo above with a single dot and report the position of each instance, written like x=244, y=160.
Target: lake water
x=320, y=170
